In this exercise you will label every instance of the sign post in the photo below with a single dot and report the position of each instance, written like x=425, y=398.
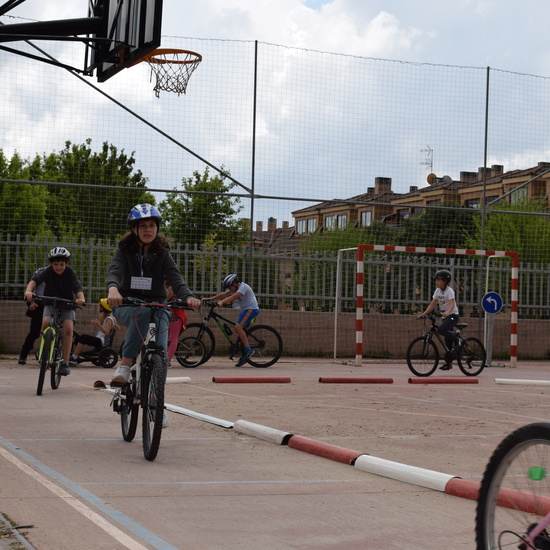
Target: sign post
x=492, y=304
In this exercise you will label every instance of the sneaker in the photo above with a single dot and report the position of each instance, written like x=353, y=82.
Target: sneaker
x=22, y=360
x=64, y=369
x=121, y=376
x=244, y=358
x=165, y=419
x=446, y=366
x=73, y=360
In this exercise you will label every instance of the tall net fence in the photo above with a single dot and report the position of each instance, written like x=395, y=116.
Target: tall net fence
x=263, y=132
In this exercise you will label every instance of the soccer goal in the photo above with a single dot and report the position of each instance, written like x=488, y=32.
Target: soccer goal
x=360, y=289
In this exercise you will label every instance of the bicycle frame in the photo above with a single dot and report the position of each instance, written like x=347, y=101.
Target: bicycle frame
x=432, y=331
x=216, y=317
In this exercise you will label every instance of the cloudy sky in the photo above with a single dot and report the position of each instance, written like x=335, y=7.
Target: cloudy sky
x=497, y=33
x=505, y=35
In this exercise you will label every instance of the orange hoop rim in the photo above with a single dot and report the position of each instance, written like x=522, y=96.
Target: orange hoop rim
x=151, y=57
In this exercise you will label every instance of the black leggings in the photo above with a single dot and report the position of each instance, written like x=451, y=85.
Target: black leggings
x=446, y=329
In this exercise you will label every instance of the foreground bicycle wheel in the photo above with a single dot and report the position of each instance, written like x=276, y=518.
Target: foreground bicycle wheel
x=267, y=345
x=190, y=352
x=515, y=491
x=422, y=357
x=55, y=376
x=45, y=352
x=129, y=411
x=205, y=336
x=153, y=405
x=471, y=357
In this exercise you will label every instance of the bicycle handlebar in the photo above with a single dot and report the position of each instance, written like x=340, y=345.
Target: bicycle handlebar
x=138, y=302
x=52, y=300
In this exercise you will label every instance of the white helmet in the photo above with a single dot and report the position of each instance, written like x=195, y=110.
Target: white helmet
x=59, y=253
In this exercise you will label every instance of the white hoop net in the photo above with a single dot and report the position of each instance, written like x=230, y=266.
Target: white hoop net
x=172, y=69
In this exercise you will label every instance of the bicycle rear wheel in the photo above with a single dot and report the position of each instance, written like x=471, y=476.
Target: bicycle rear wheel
x=152, y=402
x=190, y=352
x=422, y=356
x=55, y=377
x=129, y=411
x=515, y=490
x=206, y=337
x=267, y=345
x=45, y=352
x=471, y=357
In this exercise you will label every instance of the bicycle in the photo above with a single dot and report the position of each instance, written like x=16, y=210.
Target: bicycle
x=197, y=343
x=50, y=352
x=423, y=353
x=513, y=506
x=145, y=387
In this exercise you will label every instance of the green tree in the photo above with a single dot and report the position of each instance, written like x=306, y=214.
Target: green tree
x=527, y=234
x=450, y=227
x=203, y=212
x=84, y=211
x=23, y=206
x=332, y=241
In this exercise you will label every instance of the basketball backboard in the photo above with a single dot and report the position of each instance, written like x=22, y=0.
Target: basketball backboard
x=129, y=30
x=116, y=34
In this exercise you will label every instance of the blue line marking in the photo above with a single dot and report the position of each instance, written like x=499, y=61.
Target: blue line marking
x=89, y=497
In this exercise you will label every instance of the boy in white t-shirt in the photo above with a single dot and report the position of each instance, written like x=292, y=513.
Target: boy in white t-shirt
x=240, y=295
x=444, y=297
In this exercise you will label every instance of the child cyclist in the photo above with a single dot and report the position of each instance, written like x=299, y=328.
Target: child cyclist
x=444, y=297
x=104, y=325
x=61, y=282
x=140, y=267
x=240, y=295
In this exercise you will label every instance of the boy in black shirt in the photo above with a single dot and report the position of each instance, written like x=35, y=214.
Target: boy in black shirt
x=60, y=281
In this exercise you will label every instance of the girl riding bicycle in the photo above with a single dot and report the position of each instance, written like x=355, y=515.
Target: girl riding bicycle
x=139, y=269
x=444, y=297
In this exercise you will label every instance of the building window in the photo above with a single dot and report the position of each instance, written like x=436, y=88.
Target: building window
x=341, y=221
x=519, y=195
x=434, y=202
x=366, y=218
x=472, y=203
x=301, y=226
x=311, y=225
x=330, y=223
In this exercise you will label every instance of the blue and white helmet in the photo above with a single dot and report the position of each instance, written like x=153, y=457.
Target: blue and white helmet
x=230, y=279
x=143, y=211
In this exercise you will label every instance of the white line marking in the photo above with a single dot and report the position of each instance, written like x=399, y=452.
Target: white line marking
x=111, y=530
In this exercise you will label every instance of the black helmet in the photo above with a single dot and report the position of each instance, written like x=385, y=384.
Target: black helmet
x=443, y=274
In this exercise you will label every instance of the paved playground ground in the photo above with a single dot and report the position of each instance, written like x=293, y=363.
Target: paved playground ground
x=66, y=470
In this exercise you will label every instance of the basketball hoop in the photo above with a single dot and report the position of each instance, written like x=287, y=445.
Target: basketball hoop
x=172, y=68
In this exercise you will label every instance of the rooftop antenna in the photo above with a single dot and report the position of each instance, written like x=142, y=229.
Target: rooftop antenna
x=429, y=162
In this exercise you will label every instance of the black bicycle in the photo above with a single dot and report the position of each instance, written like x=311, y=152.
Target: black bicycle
x=423, y=353
x=50, y=352
x=197, y=343
x=145, y=387
x=513, y=506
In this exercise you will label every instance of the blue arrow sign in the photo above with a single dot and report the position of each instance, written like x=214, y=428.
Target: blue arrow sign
x=492, y=302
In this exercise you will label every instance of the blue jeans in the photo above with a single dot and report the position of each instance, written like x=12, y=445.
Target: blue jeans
x=126, y=316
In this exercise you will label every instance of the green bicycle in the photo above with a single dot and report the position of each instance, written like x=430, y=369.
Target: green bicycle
x=50, y=352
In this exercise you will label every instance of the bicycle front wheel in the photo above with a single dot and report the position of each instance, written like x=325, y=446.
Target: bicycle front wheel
x=267, y=345
x=190, y=352
x=129, y=411
x=515, y=491
x=422, y=357
x=55, y=377
x=205, y=336
x=471, y=357
x=152, y=402
x=45, y=353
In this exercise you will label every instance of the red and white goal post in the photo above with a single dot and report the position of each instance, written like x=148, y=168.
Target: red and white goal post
x=427, y=250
